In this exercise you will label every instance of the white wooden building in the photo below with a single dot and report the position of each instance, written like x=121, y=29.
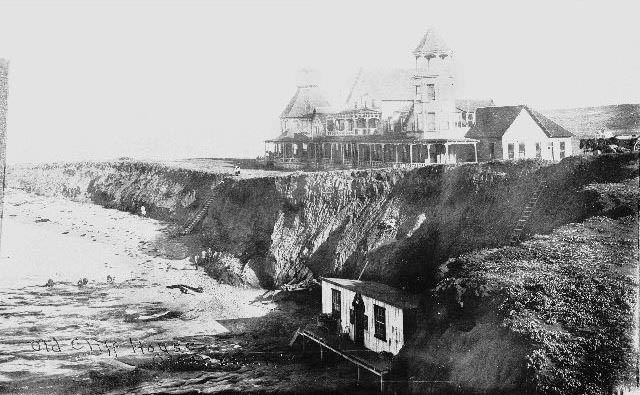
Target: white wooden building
x=519, y=132
x=376, y=316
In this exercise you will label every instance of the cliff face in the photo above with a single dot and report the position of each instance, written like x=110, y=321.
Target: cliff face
x=166, y=193
x=494, y=318
x=395, y=226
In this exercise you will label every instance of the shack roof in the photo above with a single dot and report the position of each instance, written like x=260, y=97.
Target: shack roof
x=377, y=291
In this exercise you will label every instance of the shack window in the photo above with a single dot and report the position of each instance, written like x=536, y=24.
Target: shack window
x=510, y=151
x=521, y=150
x=492, y=150
x=562, y=150
x=538, y=150
x=335, y=303
x=379, y=322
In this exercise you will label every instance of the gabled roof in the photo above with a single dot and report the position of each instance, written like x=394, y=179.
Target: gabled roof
x=304, y=102
x=587, y=122
x=382, y=84
x=494, y=122
x=549, y=127
x=377, y=291
x=431, y=43
x=471, y=105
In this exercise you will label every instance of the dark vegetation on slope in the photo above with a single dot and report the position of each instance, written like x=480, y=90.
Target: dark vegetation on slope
x=554, y=315
x=472, y=207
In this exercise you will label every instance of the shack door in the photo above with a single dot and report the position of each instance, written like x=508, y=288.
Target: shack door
x=359, y=319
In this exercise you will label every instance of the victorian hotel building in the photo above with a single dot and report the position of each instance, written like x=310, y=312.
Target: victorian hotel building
x=401, y=118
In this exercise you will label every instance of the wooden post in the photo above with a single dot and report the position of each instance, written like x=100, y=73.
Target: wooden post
x=381, y=385
x=446, y=152
x=428, y=153
x=475, y=151
x=321, y=353
x=410, y=153
x=370, y=155
x=331, y=152
x=358, y=366
x=396, y=146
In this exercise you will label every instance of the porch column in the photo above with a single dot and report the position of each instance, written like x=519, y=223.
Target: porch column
x=475, y=151
x=410, y=153
x=358, y=153
x=428, y=153
x=396, y=146
x=331, y=152
x=446, y=150
x=370, y=154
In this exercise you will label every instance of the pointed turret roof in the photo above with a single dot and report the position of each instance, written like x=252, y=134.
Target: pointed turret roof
x=307, y=101
x=432, y=43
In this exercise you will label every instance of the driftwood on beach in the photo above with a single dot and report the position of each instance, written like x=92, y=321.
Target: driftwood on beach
x=185, y=288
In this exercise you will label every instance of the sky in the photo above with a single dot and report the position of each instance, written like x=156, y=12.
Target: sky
x=92, y=80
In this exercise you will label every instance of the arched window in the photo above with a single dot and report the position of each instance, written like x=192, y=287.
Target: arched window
x=330, y=125
x=361, y=123
x=341, y=124
x=349, y=125
x=373, y=123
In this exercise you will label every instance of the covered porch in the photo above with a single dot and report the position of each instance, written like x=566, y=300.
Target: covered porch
x=357, y=152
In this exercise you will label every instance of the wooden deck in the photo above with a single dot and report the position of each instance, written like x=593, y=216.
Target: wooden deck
x=372, y=361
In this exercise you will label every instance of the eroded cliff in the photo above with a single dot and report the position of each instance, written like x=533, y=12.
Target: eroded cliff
x=395, y=226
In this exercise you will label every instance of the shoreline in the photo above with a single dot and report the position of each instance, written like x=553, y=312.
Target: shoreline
x=228, y=338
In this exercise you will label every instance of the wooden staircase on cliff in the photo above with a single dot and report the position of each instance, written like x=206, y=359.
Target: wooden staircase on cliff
x=197, y=216
x=525, y=216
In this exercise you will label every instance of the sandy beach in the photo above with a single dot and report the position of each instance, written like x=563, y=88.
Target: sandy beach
x=45, y=238
x=133, y=334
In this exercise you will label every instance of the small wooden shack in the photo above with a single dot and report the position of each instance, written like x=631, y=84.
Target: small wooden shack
x=376, y=316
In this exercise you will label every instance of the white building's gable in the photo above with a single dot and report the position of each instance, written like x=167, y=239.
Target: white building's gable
x=524, y=128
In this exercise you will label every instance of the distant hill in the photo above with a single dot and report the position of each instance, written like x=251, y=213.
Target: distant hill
x=586, y=122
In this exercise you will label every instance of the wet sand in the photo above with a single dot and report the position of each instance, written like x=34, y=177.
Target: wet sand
x=135, y=335
x=45, y=238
